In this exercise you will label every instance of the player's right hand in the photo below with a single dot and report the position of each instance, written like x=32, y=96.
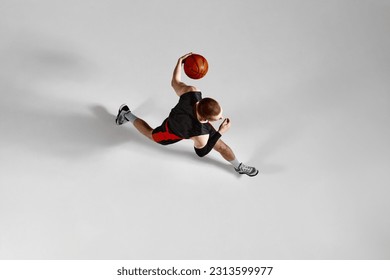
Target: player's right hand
x=182, y=58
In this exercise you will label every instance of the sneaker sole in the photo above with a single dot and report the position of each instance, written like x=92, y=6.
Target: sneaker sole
x=257, y=172
x=250, y=175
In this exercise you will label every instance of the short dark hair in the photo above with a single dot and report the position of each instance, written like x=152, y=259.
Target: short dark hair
x=208, y=108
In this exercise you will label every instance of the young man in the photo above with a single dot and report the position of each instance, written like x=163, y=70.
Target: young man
x=189, y=119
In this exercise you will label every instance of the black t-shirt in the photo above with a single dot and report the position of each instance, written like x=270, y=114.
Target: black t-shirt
x=182, y=120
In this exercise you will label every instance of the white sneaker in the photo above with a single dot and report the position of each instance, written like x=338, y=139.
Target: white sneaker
x=248, y=170
x=121, y=118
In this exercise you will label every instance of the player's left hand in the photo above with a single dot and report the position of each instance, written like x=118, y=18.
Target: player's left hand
x=225, y=125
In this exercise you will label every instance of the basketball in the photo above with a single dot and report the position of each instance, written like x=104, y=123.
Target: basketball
x=196, y=66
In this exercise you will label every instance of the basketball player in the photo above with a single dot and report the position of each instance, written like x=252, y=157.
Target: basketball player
x=190, y=119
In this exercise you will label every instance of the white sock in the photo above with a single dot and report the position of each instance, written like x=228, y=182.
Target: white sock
x=235, y=163
x=130, y=117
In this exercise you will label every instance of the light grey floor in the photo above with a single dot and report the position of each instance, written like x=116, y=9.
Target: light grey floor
x=305, y=83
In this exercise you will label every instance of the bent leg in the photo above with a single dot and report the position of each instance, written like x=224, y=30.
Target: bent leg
x=228, y=154
x=225, y=151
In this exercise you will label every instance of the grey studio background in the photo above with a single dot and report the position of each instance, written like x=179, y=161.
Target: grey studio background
x=305, y=84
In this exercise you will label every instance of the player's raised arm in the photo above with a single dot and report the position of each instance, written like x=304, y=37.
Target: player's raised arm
x=176, y=83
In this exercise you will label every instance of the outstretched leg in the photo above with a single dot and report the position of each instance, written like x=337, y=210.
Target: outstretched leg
x=125, y=115
x=143, y=127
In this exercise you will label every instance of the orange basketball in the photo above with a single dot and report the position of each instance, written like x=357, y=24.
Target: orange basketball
x=196, y=66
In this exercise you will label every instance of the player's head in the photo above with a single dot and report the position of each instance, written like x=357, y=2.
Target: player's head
x=209, y=109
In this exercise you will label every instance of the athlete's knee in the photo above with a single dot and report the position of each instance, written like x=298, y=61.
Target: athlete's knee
x=200, y=152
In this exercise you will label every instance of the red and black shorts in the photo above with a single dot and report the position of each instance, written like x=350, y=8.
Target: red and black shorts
x=163, y=136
